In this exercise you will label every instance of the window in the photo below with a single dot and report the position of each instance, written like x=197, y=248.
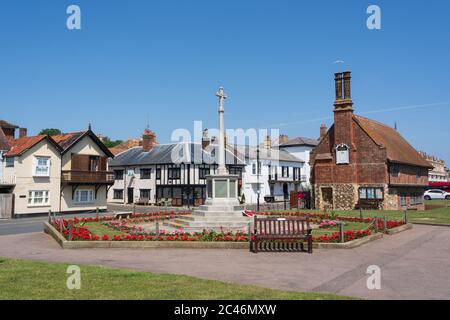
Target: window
x=418, y=173
x=371, y=194
x=84, y=196
x=235, y=171
x=145, y=193
x=146, y=173
x=41, y=167
x=297, y=175
x=118, y=174
x=158, y=174
x=285, y=172
x=118, y=194
x=395, y=170
x=255, y=166
x=403, y=200
x=203, y=172
x=174, y=173
x=342, y=154
x=10, y=162
x=38, y=198
x=130, y=172
x=416, y=199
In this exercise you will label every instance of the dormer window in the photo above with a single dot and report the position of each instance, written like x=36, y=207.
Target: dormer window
x=342, y=154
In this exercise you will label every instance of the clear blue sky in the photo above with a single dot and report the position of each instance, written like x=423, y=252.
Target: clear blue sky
x=167, y=58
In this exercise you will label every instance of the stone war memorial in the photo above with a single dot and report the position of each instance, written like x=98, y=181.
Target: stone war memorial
x=221, y=210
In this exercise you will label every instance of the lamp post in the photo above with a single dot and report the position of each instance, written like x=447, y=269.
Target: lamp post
x=257, y=179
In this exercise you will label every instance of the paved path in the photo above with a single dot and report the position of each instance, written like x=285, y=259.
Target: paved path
x=414, y=264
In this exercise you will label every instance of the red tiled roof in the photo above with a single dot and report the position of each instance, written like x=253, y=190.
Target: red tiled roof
x=6, y=124
x=124, y=146
x=397, y=148
x=4, y=145
x=19, y=146
x=67, y=139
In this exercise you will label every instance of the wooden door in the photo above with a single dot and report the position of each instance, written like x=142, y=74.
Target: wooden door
x=6, y=205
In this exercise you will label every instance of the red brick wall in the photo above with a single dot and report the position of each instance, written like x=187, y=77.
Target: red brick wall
x=408, y=176
x=367, y=160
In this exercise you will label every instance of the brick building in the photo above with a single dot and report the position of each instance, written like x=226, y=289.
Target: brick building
x=363, y=163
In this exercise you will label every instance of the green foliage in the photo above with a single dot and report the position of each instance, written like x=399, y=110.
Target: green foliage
x=111, y=143
x=50, y=132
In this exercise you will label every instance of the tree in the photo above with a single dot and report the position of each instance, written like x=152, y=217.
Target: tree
x=50, y=132
x=111, y=143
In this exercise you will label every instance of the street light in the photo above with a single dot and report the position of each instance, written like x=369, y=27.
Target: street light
x=257, y=179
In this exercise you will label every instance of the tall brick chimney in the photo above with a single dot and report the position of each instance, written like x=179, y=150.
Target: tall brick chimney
x=206, y=141
x=343, y=110
x=267, y=142
x=283, y=138
x=148, y=140
x=22, y=132
x=323, y=130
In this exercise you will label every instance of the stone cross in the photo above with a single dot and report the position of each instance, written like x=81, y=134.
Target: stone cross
x=222, y=170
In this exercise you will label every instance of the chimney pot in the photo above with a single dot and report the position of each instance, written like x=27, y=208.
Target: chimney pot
x=148, y=140
x=323, y=130
x=338, y=85
x=22, y=132
x=347, y=84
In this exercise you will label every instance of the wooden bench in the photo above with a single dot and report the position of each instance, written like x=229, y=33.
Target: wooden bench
x=281, y=234
x=122, y=215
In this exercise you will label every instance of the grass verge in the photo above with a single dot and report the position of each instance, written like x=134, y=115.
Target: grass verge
x=24, y=280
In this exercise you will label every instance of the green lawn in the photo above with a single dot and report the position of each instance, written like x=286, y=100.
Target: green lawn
x=98, y=229
x=434, y=216
x=21, y=279
x=349, y=226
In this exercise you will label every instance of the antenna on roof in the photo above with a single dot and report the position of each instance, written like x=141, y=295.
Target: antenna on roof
x=89, y=126
x=148, y=121
x=395, y=125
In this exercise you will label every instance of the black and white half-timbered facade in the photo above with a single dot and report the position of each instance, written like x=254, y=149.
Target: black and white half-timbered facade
x=167, y=174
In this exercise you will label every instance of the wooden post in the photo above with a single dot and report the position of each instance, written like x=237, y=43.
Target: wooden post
x=96, y=212
x=406, y=216
x=157, y=229
x=134, y=208
x=61, y=222
x=341, y=232
x=249, y=235
x=376, y=224
x=70, y=230
x=385, y=223
x=49, y=216
x=360, y=213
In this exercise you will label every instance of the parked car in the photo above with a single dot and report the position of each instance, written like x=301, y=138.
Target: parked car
x=436, y=194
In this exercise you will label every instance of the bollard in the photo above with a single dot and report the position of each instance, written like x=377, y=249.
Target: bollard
x=157, y=230
x=70, y=230
x=341, y=232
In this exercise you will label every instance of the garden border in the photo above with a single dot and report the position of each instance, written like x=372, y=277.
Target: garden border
x=49, y=229
x=398, y=229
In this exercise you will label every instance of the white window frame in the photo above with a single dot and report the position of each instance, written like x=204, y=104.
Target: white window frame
x=36, y=166
x=90, y=196
x=32, y=197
